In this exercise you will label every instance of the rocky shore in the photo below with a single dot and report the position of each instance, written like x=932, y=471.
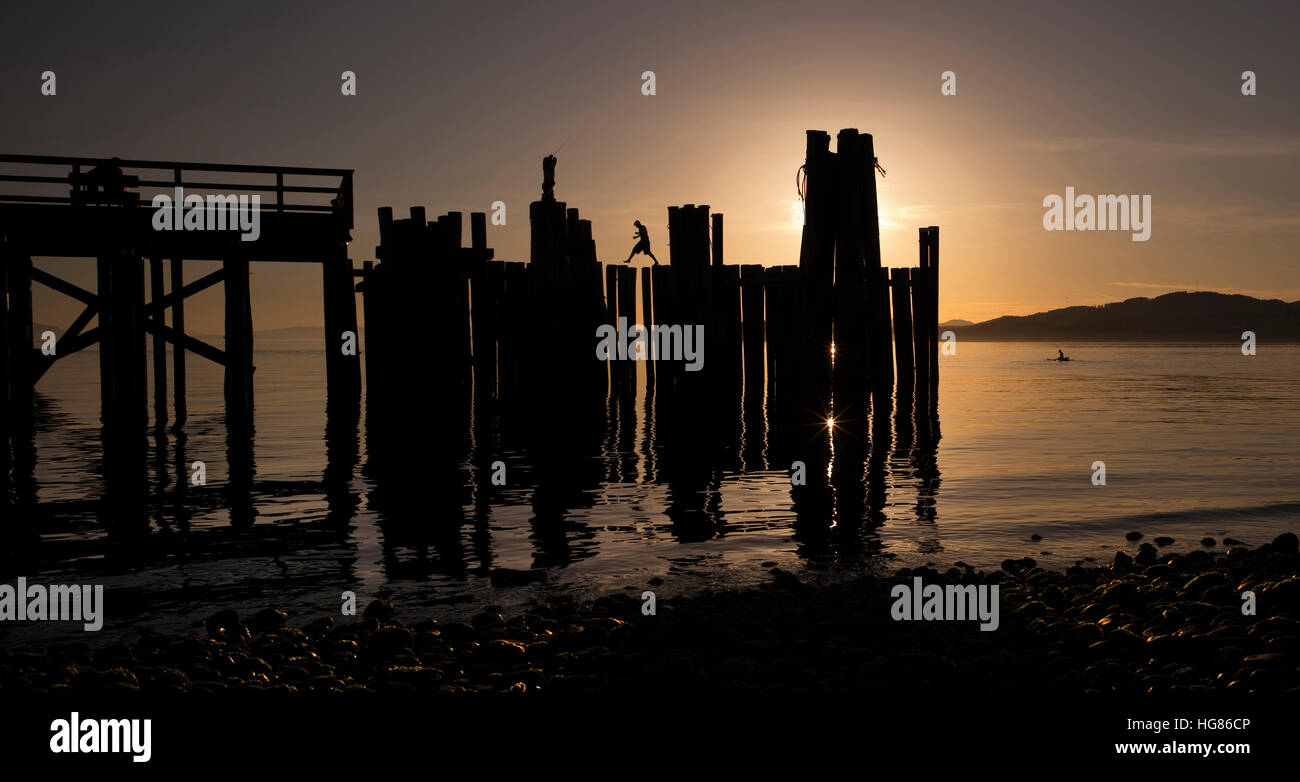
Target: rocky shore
x=1154, y=622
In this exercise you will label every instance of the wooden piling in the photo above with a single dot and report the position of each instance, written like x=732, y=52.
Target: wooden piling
x=920, y=327
x=157, y=292
x=342, y=370
x=751, y=294
x=486, y=307
x=627, y=309
x=878, y=323
x=178, y=346
x=665, y=314
x=239, y=342
x=616, y=377
x=900, y=286
x=878, y=294
x=816, y=265
x=455, y=230
x=478, y=230
x=774, y=323
x=22, y=365
x=647, y=321
x=5, y=376
x=717, y=239
x=933, y=272
x=851, y=306
x=728, y=336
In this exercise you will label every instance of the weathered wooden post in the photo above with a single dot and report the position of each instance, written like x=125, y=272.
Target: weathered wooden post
x=921, y=327
x=342, y=367
x=933, y=272
x=817, y=269
x=878, y=294
x=488, y=283
x=122, y=366
x=478, y=231
x=22, y=367
x=665, y=314
x=900, y=284
x=239, y=342
x=851, y=305
x=877, y=280
x=177, y=276
x=455, y=222
x=627, y=309
x=726, y=346
x=616, y=377
x=751, y=293
x=647, y=321
x=717, y=239
x=157, y=293
x=5, y=399
x=776, y=326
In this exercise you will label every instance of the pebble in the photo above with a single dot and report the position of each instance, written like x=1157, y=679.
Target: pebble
x=1150, y=623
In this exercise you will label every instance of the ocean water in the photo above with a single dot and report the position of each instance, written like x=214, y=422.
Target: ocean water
x=1197, y=440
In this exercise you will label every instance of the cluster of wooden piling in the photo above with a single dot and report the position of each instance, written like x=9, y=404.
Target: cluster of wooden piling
x=810, y=342
x=444, y=322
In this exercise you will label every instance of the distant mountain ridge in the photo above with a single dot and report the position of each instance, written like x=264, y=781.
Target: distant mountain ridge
x=1193, y=317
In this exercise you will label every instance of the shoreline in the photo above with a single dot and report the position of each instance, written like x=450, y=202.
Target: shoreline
x=1156, y=622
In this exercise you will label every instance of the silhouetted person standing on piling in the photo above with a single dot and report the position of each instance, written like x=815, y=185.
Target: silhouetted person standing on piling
x=642, y=244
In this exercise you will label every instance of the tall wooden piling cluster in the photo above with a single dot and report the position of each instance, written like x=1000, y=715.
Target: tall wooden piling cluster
x=517, y=336
x=417, y=344
x=848, y=295
x=799, y=345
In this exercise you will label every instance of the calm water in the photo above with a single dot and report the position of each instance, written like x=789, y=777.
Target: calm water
x=1197, y=441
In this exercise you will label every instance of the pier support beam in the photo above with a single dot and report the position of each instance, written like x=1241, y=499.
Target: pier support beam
x=20, y=374
x=900, y=284
x=124, y=407
x=178, y=347
x=921, y=326
x=239, y=344
x=851, y=305
x=342, y=369
x=157, y=292
x=882, y=365
x=932, y=270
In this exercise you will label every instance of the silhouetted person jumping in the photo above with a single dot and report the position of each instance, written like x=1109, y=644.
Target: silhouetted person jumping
x=642, y=244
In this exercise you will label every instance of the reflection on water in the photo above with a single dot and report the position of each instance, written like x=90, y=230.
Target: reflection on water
x=605, y=494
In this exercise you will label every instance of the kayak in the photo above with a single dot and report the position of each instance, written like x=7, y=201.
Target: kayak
x=1067, y=358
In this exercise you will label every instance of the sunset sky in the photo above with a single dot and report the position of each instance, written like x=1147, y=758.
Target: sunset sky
x=458, y=103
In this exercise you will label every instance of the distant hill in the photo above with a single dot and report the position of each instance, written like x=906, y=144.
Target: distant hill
x=955, y=323
x=1183, y=316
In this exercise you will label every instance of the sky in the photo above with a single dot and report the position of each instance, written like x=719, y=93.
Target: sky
x=457, y=103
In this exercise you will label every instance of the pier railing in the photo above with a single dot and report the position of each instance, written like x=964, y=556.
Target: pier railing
x=80, y=181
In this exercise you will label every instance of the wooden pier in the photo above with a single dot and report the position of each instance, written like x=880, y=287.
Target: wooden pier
x=464, y=351
x=74, y=207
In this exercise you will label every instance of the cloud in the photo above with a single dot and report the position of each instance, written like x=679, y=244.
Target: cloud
x=1231, y=146
x=1285, y=294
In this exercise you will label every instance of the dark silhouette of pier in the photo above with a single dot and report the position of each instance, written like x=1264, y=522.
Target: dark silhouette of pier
x=797, y=356
x=830, y=363
x=70, y=207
